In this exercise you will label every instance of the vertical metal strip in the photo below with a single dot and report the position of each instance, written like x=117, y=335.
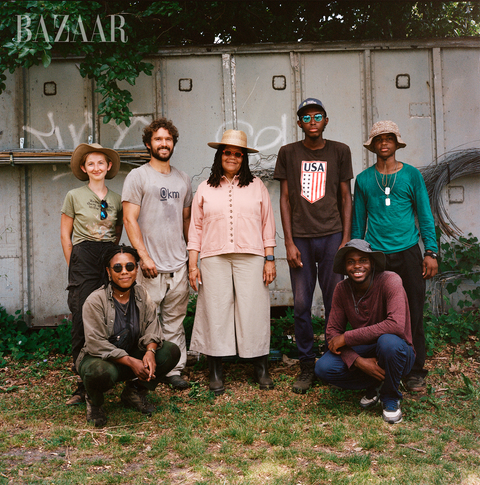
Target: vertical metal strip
x=162, y=83
x=28, y=288
x=438, y=120
x=369, y=99
x=296, y=94
x=229, y=84
x=94, y=128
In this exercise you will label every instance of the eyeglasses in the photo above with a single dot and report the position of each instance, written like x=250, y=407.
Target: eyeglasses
x=103, y=210
x=117, y=267
x=307, y=118
x=235, y=154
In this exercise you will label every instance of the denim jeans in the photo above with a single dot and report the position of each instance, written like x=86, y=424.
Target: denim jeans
x=99, y=376
x=393, y=354
x=317, y=255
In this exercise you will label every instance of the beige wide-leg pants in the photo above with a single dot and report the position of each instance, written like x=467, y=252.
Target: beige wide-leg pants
x=233, y=307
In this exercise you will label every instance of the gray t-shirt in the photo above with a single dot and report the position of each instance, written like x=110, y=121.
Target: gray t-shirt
x=162, y=198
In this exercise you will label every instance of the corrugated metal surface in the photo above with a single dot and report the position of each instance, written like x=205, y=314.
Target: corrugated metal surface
x=431, y=90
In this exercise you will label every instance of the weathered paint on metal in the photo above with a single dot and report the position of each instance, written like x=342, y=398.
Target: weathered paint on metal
x=430, y=89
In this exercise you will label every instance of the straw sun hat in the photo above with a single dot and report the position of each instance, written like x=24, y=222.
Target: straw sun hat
x=236, y=138
x=380, y=128
x=83, y=149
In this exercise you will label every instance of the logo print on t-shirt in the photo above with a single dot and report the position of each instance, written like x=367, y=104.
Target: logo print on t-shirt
x=166, y=194
x=314, y=180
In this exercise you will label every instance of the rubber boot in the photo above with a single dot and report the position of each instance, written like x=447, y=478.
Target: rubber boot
x=215, y=368
x=260, y=372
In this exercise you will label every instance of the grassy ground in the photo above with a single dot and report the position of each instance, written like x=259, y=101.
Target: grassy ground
x=246, y=436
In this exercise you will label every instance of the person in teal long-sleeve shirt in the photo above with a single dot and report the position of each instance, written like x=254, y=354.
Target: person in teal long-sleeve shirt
x=387, y=198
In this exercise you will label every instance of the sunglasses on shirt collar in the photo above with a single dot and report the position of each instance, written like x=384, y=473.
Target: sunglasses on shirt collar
x=103, y=210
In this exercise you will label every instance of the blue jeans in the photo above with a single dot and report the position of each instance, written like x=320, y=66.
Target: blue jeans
x=394, y=355
x=317, y=257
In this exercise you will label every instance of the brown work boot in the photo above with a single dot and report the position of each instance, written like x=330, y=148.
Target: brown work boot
x=260, y=372
x=306, y=377
x=95, y=414
x=137, y=399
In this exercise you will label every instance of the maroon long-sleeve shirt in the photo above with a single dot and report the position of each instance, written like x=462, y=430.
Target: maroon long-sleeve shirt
x=383, y=310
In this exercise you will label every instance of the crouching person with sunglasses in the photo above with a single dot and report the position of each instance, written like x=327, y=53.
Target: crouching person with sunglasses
x=123, y=339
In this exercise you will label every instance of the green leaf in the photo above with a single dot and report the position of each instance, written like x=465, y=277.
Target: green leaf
x=46, y=59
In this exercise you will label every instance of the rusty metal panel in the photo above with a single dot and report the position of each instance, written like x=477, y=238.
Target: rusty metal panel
x=58, y=113
x=402, y=92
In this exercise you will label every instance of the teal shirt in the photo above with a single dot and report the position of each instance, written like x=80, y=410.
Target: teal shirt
x=392, y=228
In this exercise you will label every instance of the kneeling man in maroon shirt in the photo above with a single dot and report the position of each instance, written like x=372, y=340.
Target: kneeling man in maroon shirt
x=378, y=351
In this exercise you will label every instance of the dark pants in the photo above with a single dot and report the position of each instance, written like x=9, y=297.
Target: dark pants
x=86, y=273
x=394, y=355
x=100, y=375
x=408, y=265
x=317, y=255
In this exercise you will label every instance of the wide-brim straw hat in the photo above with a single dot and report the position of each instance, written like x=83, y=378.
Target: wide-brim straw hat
x=236, y=138
x=363, y=246
x=83, y=149
x=380, y=128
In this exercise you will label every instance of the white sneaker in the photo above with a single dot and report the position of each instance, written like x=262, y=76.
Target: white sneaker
x=392, y=413
x=371, y=397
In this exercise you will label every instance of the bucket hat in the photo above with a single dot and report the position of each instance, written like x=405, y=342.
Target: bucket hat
x=236, y=138
x=83, y=149
x=381, y=127
x=310, y=102
x=363, y=246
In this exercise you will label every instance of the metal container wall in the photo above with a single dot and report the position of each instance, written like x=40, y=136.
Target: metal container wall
x=431, y=90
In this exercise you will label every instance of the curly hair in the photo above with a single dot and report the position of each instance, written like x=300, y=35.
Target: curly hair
x=114, y=250
x=245, y=177
x=155, y=125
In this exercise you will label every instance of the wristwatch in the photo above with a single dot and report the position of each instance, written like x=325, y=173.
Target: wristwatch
x=270, y=257
x=430, y=253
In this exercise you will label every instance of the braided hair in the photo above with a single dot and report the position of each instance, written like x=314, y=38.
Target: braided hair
x=113, y=251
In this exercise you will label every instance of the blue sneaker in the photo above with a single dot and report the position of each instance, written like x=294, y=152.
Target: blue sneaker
x=392, y=413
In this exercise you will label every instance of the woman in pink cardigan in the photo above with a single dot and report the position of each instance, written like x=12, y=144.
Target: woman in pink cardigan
x=233, y=230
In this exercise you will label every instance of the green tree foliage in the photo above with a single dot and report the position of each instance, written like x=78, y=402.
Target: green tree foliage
x=151, y=25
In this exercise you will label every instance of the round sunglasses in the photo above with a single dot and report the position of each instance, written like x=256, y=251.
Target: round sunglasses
x=235, y=154
x=307, y=118
x=117, y=267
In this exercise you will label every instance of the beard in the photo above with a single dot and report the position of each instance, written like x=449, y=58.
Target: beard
x=157, y=156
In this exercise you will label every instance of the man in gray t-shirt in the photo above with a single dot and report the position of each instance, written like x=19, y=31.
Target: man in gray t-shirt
x=156, y=206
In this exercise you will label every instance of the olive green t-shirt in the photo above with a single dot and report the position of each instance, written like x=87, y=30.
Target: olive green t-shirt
x=83, y=206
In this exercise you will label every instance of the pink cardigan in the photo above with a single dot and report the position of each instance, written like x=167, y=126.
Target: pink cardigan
x=231, y=219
